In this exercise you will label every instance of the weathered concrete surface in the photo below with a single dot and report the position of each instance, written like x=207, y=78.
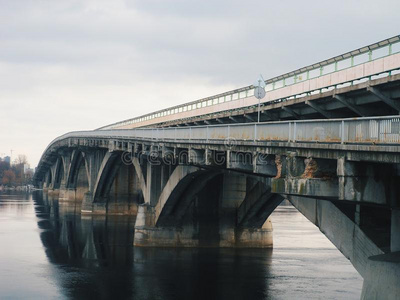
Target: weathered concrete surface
x=200, y=209
x=368, y=182
x=148, y=235
x=395, y=230
x=255, y=237
x=340, y=230
x=382, y=277
x=305, y=187
x=176, y=183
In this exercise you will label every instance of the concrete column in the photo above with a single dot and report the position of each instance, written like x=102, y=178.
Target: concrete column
x=395, y=231
x=357, y=215
x=66, y=159
x=153, y=183
x=165, y=173
x=53, y=169
x=234, y=190
x=233, y=193
x=295, y=165
x=93, y=160
x=123, y=193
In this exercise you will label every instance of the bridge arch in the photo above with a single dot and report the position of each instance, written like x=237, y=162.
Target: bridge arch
x=119, y=187
x=48, y=178
x=76, y=169
x=258, y=204
x=77, y=175
x=58, y=173
x=179, y=192
x=208, y=207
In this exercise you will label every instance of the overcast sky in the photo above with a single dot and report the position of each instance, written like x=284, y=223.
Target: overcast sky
x=73, y=65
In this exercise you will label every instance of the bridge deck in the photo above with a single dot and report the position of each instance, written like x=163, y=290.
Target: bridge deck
x=375, y=139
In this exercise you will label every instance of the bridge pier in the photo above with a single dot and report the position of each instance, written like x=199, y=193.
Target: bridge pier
x=381, y=280
x=149, y=235
x=207, y=214
x=383, y=276
x=395, y=230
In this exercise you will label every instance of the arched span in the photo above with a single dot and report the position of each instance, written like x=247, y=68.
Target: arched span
x=49, y=178
x=108, y=169
x=59, y=173
x=140, y=176
x=258, y=205
x=184, y=183
x=76, y=167
x=120, y=186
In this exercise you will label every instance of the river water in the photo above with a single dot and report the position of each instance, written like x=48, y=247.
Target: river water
x=49, y=251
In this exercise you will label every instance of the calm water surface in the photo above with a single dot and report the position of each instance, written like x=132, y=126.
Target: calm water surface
x=48, y=251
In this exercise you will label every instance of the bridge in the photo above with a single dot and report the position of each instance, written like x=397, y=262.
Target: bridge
x=215, y=185
x=363, y=82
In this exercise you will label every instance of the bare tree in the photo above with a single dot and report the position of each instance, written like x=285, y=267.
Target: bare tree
x=21, y=159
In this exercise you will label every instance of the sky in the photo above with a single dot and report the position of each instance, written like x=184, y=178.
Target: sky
x=80, y=64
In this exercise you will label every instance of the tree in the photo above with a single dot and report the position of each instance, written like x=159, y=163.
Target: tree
x=18, y=168
x=8, y=178
x=21, y=160
x=3, y=167
x=28, y=177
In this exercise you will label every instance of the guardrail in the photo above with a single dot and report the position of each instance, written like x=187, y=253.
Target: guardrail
x=348, y=60
x=373, y=130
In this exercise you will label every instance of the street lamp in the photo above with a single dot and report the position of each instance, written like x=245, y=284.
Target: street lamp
x=259, y=93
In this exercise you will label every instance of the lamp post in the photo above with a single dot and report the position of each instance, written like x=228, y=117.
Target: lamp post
x=259, y=93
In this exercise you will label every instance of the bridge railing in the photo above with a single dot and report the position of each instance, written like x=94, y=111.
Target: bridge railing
x=373, y=130
x=379, y=130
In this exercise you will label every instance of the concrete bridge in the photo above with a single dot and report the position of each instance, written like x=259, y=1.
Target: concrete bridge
x=216, y=186
x=217, y=183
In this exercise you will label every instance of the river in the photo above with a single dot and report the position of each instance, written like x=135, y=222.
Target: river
x=49, y=251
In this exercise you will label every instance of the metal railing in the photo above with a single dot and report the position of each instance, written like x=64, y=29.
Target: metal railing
x=348, y=60
x=371, y=130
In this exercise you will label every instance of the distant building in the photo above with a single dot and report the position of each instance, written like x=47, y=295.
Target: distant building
x=27, y=169
x=7, y=159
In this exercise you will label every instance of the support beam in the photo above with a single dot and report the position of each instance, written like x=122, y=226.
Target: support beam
x=387, y=100
x=219, y=121
x=292, y=112
x=350, y=106
x=270, y=115
x=323, y=112
x=207, y=122
x=233, y=119
x=249, y=118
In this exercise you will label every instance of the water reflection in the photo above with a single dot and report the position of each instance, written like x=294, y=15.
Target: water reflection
x=83, y=241
x=92, y=257
x=96, y=258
